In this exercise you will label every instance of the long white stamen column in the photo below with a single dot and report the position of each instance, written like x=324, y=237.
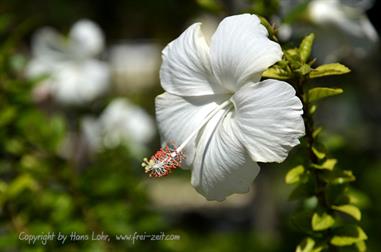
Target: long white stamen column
x=169, y=158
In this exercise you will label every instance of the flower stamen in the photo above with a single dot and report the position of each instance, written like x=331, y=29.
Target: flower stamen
x=163, y=161
x=169, y=157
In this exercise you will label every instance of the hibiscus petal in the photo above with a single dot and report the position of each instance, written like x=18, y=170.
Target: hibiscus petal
x=222, y=166
x=80, y=83
x=240, y=51
x=178, y=117
x=86, y=39
x=186, y=69
x=49, y=47
x=37, y=67
x=269, y=117
x=124, y=121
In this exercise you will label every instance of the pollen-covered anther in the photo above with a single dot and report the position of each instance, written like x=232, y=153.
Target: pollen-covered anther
x=163, y=162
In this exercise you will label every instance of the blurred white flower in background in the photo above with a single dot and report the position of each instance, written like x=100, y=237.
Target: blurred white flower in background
x=134, y=65
x=73, y=75
x=342, y=29
x=120, y=123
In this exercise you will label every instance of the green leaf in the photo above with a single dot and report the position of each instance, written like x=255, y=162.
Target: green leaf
x=306, y=245
x=304, y=69
x=293, y=176
x=362, y=234
x=276, y=72
x=293, y=58
x=338, y=177
x=21, y=183
x=322, y=221
x=306, y=46
x=312, y=109
x=318, y=153
x=329, y=69
x=319, y=248
x=30, y=162
x=358, y=198
x=292, y=52
x=315, y=94
x=343, y=176
x=316, y=132
x=329, y=164
x=361, y=246
x=14, y=146
x=7, y=115
x=348, y=235
x=350, y=210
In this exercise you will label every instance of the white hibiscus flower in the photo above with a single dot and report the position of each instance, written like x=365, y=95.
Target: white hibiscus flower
x=120, y=123
x=74, y=76
x=215, y=106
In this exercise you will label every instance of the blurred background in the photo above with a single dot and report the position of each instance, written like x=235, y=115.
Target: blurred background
x=77, y=87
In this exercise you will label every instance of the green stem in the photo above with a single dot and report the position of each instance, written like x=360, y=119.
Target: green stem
x=320, y=185
x=309, y=129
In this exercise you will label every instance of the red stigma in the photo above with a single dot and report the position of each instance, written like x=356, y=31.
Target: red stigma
x=163, y=161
